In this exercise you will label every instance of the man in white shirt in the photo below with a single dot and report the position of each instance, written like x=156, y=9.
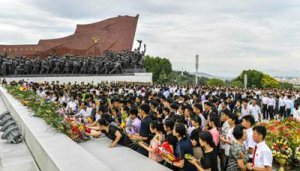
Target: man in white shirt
x=71, y=105
x=245, y=108
x=166, y=93
x=197, y=110
x=262, y=154
x=265, y=106
x=224, y=132
x=288, y=105
x=255, y=111
x=271, y=107
x=296, y=112
x=248, y=122
x=281, y=106
x=85, y=111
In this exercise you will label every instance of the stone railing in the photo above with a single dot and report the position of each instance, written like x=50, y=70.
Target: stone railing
x=54, y=151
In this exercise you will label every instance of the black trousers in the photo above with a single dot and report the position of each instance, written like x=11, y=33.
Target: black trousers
x=282, y=111
x=265, y=111
x=142, y=151
x=288, y=113
x=224, y=160
x=270, y=112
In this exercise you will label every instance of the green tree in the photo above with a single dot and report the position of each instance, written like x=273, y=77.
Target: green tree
x=269, y=82
x=260, y=80
x=157, y=65
x=215, y=82
x=203, y=80
x=163, y=77
x=254, y=78
x=238, y=84
x=286, y=85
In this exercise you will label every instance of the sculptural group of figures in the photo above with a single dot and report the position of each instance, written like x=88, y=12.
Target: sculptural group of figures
x=109, y=63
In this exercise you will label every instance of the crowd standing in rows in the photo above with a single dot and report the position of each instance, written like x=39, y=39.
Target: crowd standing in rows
x=216, y=126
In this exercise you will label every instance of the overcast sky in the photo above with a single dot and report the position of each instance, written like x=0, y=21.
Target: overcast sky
x=228, y=35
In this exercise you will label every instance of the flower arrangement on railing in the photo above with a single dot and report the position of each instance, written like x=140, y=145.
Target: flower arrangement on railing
x=283, y=138
x=51, y=112
x=297, y=156
x=281, y=151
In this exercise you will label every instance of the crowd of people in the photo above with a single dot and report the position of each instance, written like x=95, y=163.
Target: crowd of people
x=216, y=127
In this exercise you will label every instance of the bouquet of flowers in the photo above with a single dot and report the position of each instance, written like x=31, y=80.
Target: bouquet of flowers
x=53, y=113
x=188, y=156
x=297, y=155
x=24, y=87
x=124, y=119
x=281, y=149
x=75, y=130
x=166, y=152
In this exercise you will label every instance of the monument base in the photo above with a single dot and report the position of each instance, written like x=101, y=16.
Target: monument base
x=135, y=77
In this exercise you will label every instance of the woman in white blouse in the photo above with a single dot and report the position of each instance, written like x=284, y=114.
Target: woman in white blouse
x=296, y=112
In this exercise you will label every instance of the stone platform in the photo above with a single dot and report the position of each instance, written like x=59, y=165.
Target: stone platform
x=120, y=158
x=15, y=156
x=134, y=77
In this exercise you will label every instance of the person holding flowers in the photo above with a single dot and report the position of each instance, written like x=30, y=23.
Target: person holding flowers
x=145, y=134
x=156, y=128
x=135, y=122
x=210, y=156
x=196, y=123
x=184, y=146
x=170, y=138
x=238, y=156
x=112, y=132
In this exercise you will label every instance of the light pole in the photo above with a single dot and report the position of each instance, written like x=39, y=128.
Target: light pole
x=245, y=80
x=197, y=66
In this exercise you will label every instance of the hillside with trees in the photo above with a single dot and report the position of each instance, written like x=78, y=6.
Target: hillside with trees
x=161, y=69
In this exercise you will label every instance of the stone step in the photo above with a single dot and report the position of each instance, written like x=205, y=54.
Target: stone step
x=15, y=156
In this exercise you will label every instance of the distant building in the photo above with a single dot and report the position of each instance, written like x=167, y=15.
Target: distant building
x=292, y=80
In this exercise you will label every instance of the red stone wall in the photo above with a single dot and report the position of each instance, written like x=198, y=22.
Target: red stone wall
x=114, y=34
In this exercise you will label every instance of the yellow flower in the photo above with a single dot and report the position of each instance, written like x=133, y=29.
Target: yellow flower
x=123, y=125
x=81, y=128
x=89, y=120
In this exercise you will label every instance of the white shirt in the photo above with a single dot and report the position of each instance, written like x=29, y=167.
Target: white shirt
x=265, y=100
x=224, y=131
x=245, y=111
x=203, y=120
x=281, y=102
x=288, y=103
x=72, y=105
x=64, y=99
x=97, y=117
x=296, y=114
x=272, y=102
x=254, y=111
x=190, y=130
x=230, y=137
x=249, y=142
x=263, y=155
x=85, y=113
x=166, y=94
x=43, y=94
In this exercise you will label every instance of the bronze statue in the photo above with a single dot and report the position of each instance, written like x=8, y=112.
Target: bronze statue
x=109, y=63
